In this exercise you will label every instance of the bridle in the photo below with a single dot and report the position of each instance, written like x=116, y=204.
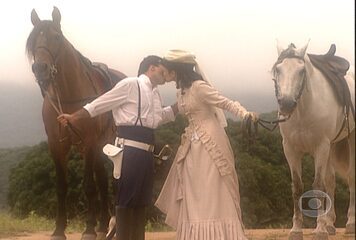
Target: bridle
x=57, y=106
x=281, y=118
x=275, y=78
x=52, y=66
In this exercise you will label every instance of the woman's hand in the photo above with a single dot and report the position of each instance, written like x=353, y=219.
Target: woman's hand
x=250, y=125
x=175, y=108
x=254, y=116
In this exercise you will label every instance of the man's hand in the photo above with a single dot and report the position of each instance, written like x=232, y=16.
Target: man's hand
x=70, y=119
x=65, y=119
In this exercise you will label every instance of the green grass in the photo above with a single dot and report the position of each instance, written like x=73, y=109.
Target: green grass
x=10, y=225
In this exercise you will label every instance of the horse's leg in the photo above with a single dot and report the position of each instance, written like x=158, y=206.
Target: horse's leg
x=59, y=153
x=295, y=165
x=330, y=184
x=102, y=183
x=322, y=167
x=350, y=225
x=90, y=192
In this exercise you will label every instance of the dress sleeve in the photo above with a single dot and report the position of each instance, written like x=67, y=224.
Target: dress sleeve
x=211, y=96
x=110, y=100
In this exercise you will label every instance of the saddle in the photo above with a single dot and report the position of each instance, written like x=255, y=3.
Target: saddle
x=104, y=70
x=111, y=76
x=334, y=69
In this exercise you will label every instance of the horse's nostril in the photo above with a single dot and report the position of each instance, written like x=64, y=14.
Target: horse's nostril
x=286, y=104
x=39, y=67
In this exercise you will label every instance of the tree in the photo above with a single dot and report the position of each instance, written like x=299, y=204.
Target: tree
x=32, y=185
x=264, y=178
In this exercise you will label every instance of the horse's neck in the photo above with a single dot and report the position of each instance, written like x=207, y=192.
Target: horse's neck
x=317, y=92
x=73, y=80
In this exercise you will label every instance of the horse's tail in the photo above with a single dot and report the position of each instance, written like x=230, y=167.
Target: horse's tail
x=341, y=156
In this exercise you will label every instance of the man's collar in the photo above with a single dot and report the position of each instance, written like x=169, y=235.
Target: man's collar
x=146, y=80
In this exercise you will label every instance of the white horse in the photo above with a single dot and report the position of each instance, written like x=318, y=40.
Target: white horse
x=316, y=123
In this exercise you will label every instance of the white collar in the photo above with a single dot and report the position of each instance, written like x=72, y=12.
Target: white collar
x=146, y=81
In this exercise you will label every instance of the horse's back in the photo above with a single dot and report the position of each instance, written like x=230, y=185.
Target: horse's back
x=116, y=76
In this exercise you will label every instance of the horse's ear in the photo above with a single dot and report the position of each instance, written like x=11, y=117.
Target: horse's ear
x=56, y=16
x=302, y=51
x=34, y=17
x=279, y=48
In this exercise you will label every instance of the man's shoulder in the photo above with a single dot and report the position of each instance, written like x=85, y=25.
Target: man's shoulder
x=127, y=81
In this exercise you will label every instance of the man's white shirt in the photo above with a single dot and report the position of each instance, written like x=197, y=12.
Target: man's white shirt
x=122, y=100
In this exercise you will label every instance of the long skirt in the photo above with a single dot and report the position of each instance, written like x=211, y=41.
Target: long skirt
x=207, y=210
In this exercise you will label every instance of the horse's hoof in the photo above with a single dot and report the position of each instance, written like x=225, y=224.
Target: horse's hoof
x=321, y=236
x=87, y=236
x=331, y=230
x=295, y=236
x=350, y=228
x=62, y=237
x=100, y=236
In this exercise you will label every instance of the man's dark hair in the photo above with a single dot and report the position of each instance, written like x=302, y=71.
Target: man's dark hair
x=147, y=62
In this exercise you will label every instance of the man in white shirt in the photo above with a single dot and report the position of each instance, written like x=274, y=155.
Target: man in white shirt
x=136, y=106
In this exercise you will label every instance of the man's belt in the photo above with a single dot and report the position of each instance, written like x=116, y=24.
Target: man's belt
x=135, y=144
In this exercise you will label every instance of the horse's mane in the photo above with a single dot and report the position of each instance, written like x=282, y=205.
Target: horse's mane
x=42, y=26
x=46, y=25
x=290, y=52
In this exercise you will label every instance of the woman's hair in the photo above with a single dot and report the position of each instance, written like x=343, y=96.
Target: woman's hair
x=185, y=73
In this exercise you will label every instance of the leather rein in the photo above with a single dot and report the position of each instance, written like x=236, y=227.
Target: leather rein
x=55, y=101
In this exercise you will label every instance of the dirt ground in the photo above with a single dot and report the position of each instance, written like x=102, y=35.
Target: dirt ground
x=255, y=234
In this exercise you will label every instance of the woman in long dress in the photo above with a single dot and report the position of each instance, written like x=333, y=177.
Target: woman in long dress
x=201, y=197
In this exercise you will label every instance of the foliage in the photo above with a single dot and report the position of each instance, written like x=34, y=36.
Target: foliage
x=8, y=159
x=32, y=185
x=265, y=184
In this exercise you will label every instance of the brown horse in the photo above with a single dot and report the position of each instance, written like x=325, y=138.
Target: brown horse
x=68, y=81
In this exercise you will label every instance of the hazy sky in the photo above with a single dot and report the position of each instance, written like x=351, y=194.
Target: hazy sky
x=235, y=41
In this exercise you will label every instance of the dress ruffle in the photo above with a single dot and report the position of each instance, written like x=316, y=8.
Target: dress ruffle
x=214, y=151
x=222, y=229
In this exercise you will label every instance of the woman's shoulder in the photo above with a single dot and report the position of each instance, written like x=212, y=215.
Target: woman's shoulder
x=201, y=85
x=198, y=83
